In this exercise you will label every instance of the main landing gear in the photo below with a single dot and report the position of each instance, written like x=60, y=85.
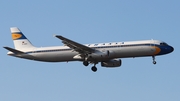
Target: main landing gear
x=86, y=63
x=154, y=62
x=94, y=69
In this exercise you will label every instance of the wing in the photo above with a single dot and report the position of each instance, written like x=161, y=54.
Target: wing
x=82, y=49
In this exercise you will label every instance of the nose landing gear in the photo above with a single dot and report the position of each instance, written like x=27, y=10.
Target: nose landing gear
x=154, y=61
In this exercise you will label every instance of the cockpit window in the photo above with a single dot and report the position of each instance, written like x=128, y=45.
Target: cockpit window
x=163, y=44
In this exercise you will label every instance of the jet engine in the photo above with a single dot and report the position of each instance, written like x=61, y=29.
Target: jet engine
x=112, y=63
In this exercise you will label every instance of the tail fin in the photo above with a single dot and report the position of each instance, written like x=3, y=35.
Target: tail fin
x=20, y=41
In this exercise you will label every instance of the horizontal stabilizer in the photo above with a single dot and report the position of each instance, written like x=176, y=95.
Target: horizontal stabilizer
x=14, y=50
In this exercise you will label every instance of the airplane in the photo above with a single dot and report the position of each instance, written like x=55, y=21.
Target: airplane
x=108, y=54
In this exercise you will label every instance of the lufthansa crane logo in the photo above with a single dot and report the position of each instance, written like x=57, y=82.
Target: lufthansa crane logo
x=16, y=36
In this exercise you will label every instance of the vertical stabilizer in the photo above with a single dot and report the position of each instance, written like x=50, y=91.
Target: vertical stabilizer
x=20, y=41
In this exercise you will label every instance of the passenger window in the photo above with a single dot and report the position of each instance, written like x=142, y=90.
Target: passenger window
x=95, y=44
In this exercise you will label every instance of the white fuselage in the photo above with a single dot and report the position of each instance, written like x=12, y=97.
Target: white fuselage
x=116, y=49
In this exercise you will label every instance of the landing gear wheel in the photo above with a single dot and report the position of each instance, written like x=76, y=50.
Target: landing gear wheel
x=154, y=62
x=85, y=63
x=94, y=69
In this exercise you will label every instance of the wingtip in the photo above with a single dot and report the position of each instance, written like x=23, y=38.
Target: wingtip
x=54, y=35
x=58, y=36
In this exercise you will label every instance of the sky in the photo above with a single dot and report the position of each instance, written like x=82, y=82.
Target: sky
x=90, y=21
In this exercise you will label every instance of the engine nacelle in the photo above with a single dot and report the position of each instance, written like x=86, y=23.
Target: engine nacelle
x=112, y=63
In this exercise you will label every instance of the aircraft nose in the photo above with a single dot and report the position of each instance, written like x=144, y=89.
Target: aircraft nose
x=171, y=49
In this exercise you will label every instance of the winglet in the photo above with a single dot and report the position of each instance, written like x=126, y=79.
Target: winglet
x=14, y=50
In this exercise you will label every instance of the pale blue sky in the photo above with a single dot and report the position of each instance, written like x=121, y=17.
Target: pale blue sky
x=90, y=22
